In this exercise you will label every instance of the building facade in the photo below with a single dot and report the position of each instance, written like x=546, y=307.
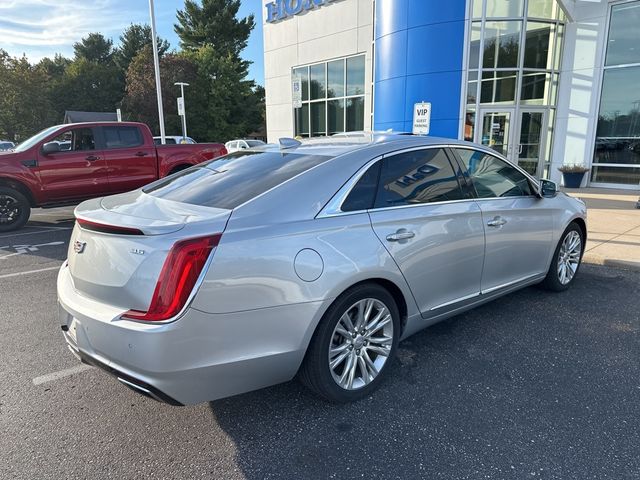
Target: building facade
x=544, y=82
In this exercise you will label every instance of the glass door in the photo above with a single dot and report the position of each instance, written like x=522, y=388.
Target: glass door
x=495, y=130
x=530, y=146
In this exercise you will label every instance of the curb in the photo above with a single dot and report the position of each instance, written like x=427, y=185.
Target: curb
x=608, y=262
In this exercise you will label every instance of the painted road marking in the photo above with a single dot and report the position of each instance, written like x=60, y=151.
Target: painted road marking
x=16, y=274
x=51, y=377
x=22, y=249
x=49, y=230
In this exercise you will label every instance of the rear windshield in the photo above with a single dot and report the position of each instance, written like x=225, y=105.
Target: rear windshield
x=234, y=179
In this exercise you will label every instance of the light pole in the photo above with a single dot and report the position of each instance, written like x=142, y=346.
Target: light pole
x=156, y=65
x=184, y=109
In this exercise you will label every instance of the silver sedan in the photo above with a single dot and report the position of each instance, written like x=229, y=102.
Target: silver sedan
x=310, y=259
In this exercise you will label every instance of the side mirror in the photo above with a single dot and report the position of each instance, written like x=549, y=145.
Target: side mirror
x=547, y=189
x=51, y=147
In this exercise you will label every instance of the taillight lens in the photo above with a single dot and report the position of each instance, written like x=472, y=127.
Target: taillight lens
x=179, y=274
x=104, y=228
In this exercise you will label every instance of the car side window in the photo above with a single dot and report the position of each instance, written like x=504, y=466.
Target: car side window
x=493, y=177
x=363, y=193
x=75, y=140
x=121, y=137
x=419, y=176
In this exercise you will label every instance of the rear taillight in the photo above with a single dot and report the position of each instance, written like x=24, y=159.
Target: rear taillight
x=179, y=275
x=104, y=228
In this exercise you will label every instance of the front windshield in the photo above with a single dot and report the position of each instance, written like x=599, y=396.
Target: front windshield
x=30, y=142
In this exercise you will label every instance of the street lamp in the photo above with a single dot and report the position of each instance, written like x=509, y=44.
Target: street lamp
x=183, y=111
x=156, y=67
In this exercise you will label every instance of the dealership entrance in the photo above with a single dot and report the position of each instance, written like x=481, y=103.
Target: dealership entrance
x=518, y=136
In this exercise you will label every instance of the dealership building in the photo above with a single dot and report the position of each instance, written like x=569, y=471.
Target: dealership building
x=544, y=82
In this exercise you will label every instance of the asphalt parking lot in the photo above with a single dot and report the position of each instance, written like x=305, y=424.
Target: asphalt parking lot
x=533, y=385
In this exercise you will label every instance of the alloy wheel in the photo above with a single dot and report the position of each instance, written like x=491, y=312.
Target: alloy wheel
x=361, y=344
x=569, y=257
x=9, y=209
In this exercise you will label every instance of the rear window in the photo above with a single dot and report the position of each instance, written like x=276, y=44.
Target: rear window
x=122, y=137
x=234, y=179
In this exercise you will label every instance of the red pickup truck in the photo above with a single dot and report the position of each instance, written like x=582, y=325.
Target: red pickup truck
x=68, y=163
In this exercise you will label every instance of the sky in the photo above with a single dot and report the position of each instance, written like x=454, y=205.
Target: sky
x=42, y=28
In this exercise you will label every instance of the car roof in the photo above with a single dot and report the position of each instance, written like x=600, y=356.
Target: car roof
x=349, y=142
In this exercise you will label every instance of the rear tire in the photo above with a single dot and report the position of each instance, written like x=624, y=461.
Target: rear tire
x=354, y=344
x=14, y=209
x=566, y=260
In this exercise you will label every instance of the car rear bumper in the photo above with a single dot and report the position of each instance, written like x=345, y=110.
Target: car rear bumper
x=199, y=357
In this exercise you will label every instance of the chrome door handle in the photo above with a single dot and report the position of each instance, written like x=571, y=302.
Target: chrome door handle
x=401, y=234
x=496, y=222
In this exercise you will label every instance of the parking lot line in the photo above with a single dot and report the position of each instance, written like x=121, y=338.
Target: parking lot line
x=50, y=377
x=17, y=274
x=49, y=229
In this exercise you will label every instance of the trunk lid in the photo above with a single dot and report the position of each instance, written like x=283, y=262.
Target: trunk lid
x=122, y=269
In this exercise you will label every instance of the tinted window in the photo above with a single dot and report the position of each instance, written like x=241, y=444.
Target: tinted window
x=78, y=139
x=363, y=193
x=234, y=179
x=122, y=137
x=421, y=176
x=493, y=177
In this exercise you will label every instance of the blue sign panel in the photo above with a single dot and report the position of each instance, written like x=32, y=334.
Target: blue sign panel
x=281, y=9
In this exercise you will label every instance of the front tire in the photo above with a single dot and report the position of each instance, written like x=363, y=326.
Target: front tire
x=14, y=209
x=354, y=343
x=566, y=260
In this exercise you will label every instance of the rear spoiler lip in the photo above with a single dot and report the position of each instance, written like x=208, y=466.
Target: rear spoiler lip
x=107, y=228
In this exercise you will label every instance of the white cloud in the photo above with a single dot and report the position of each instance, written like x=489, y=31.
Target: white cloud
x=41, y=28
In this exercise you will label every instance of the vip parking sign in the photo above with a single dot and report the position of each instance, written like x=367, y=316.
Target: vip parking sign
x=297, y=92
x=421, y=118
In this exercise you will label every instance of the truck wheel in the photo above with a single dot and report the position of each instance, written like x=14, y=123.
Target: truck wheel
x=14, y=209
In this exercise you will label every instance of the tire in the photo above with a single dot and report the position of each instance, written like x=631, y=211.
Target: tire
x=363, y=351
x=14, y=209
x=555, y=281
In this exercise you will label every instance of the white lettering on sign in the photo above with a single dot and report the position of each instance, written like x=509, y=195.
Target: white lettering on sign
x=421, y=118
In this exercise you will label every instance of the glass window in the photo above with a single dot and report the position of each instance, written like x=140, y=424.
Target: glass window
x=498, y=87
x=233, y=179
x=363, y=194
x=477, y=8
x=421, y=176
x=122, y=137
x=535, y=88
x=504, y=8
x=624, y=35
x=78, y=139
x=355, y=75
x=501, y=44
x=469, y=125
x=536, y=46
x=303, y=73
x=318, y=81
x=302, y=120
x=493, y=177
x=542, y=9
x=335, y=116
x=318, y=119
x=620, y=103
x=335, y=79
x=474, y=47
x=472, y=88
x=623, y=175
x=355, y=114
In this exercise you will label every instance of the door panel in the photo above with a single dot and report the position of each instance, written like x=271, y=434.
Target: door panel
x=434, y=235
x=79, y=172
x=131, y=164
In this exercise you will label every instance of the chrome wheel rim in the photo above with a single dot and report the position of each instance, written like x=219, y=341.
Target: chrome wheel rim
x=9, y=209
x=569, y=257
x=360, y=344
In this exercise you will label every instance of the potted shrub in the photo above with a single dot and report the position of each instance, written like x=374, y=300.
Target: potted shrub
x=572, y=175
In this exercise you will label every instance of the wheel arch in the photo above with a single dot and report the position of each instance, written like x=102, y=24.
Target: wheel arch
x=20, y=187
x=583, y=226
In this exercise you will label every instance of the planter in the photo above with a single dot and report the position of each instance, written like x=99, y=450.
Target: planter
x=572, y=179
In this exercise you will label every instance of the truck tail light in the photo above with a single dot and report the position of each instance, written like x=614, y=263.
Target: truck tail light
x=178, y=277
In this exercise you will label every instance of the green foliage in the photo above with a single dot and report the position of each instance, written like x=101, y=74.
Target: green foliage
x=213, y=23
x=134, y=38
x=94, y=48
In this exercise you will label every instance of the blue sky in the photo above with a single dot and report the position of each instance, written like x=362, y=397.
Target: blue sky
x=41, y=28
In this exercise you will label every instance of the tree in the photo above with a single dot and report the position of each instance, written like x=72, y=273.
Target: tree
x=213, y=24
x=132, y=41
x=139, y=102
x=95, y=48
